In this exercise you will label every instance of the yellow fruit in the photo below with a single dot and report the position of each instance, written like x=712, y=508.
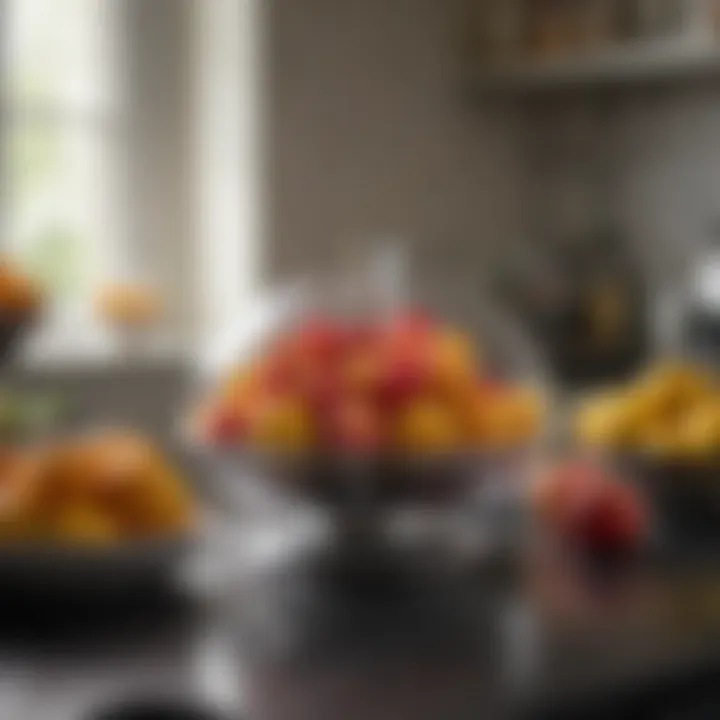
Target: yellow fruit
x=136, y=486
x=425, y=425
x=673, y=385
x=526, y=407
x=654, y=400
x=111, y=484
x=240, y=384
x=20, y=497
x=507, y=418
x=129, y=304
x=103, y=463
x=641, y=406
x=672, y=411
x=83, y=523
x=99, y=488
x=162, y=504
x=475, y=418
x=604, y=421
x=453, y=360
x=497, y=430
x=699, y=432
x=282, y=424
x=18, y=294
x=697, y=385
x=361, y=371
x=661, y=439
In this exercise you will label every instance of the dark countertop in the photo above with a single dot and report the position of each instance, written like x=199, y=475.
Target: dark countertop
x=521, y=644
x=499, y=647
x=526, y=644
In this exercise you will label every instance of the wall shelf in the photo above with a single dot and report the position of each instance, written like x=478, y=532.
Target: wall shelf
x=656, y=61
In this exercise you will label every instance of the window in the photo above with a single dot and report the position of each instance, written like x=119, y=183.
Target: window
x=129, y=146
x=227, y=107
x=62, y=132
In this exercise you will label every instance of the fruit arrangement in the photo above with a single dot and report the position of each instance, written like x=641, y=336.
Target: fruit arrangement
x=19, y=296
x=406, y=385
x=130, y=305
x=590, y=507
x=97, y=489
x=671, y=412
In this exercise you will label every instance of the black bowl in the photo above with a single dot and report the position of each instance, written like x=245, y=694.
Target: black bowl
x=685, y=494
x=156, y=710
x=13, y=329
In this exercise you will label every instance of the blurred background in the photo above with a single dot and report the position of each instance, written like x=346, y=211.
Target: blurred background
x=558, y=154
x=554, y=163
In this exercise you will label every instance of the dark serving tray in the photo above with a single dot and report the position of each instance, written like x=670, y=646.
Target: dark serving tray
x=156, y=710
x=685, y=496
x=692, y=695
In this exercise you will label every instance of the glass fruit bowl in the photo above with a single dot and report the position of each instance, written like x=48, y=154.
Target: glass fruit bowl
x=352, y=463
x=336, y=482
x=353, y=477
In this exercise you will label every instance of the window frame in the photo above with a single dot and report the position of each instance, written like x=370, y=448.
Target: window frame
x=61, y=335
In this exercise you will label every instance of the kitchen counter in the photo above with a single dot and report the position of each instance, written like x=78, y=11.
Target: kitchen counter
x=525, y=644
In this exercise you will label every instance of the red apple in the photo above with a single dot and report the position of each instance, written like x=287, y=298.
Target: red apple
x=591, y=507
x=401, y=377
x=225, y=425
x=320, y=339
x=354, y=425
x=361, y=336
x=452, y=356
x=410, y=325
x=278, y=373
x=360, y=371
x=561, y=492
x=614, y=519
x=320, y=387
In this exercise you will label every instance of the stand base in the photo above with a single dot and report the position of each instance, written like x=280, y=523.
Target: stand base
x=329, y=603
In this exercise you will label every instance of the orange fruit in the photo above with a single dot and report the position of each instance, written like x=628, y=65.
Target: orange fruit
x=282, y=423
x=426, y=425
x=452, y=360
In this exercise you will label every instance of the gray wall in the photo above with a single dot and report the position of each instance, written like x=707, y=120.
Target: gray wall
x=669, y=147
x=647, y=156
x=370, y=132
